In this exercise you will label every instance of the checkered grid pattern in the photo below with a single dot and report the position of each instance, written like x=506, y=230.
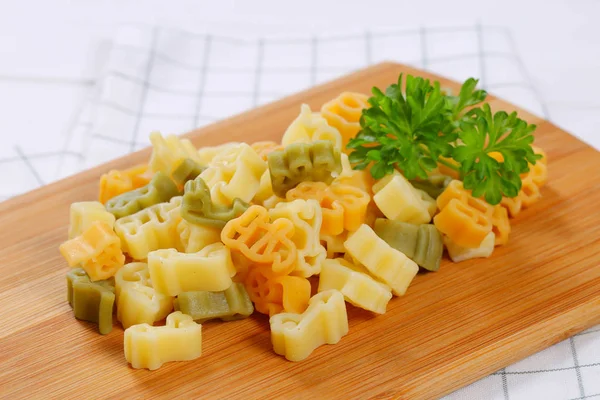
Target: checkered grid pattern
x=174, y=81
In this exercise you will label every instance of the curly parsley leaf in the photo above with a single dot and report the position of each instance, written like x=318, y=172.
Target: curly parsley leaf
x=411, y=129
x=407, y=130
x=485, y=135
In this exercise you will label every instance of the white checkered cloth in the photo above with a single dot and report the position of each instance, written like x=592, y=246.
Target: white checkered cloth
x=174, y=81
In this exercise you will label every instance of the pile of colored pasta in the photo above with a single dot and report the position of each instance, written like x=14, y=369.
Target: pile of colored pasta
x=218, y=232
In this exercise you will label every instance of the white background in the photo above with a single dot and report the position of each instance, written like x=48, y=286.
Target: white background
x=52, y=52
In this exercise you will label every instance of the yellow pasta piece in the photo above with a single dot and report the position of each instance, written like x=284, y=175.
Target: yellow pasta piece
x=207, y=153
x=97, y=250
x=150, y=229
x=308, y=127
x=361, y=179
x=325, y=321
x=210, y=269
x=354, y=282
x=344, y=113
x=265, y=190
x=399, y=201
x=84, y=214
x=137, y=301
x=307, y=218
x=386, y=263
x=117, y=182
x=168, y=152
x=234, y=173
x=151, y=346
x=458, y=253
x=334, y=244
x=140, y=304
x=264, y=148
x=194, y=238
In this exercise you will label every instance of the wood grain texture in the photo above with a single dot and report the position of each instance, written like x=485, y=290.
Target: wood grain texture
x=452, y=328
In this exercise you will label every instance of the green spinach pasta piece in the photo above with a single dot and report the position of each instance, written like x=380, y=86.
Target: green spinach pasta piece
x=228, y=305
x=91, y=301
x=421, y=243
x=198, y=208
x=299, y=162
x=187, y=170
x=433, y=186
x=159, y=190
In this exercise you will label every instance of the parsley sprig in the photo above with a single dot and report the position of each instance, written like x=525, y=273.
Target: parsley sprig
x=415, y=128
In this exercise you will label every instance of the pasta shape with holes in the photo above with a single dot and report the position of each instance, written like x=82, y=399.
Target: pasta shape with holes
x=273, y=294
x=307, y=218
x=97, y=250
x=137, y=301
x=344, y=207
x=262, y=241
x=295, y=336
x=150, y=347
x=381, y=260
x=194, y=238
x=344, y=113
x=150, y=229
x=234, y=173
x=309, y=127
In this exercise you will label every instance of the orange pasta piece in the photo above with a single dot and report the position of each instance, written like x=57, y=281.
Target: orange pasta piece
x=274, y=294
x=97, y=250
x=117, y=182
x=264, y=148
x=532, y=182
x=344, y=207
x=475, y=209
x=262, y=241
x=344, y=113
x=462, y=223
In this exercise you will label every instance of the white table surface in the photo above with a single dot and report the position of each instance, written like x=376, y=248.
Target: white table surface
x=50, y=60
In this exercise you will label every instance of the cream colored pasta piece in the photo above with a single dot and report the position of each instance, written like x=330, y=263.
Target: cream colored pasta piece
x=458, y=253
x=150, y=347
x=354, y=282
x=137, y=301
x=308, y=127
x=399, y=201
x=84, y=213
x=234, y=173
x=307, y=218
x=210, y=269
x=208, y=153
x=325, y=321
x=168, y=152
x=150, y=229
x=194, y=238
x=384, y=262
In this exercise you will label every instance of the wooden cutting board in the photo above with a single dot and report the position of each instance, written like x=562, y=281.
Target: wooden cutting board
x=452, y=327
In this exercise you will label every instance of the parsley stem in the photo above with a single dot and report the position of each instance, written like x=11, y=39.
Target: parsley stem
x=449, y=165
x=439, y=160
